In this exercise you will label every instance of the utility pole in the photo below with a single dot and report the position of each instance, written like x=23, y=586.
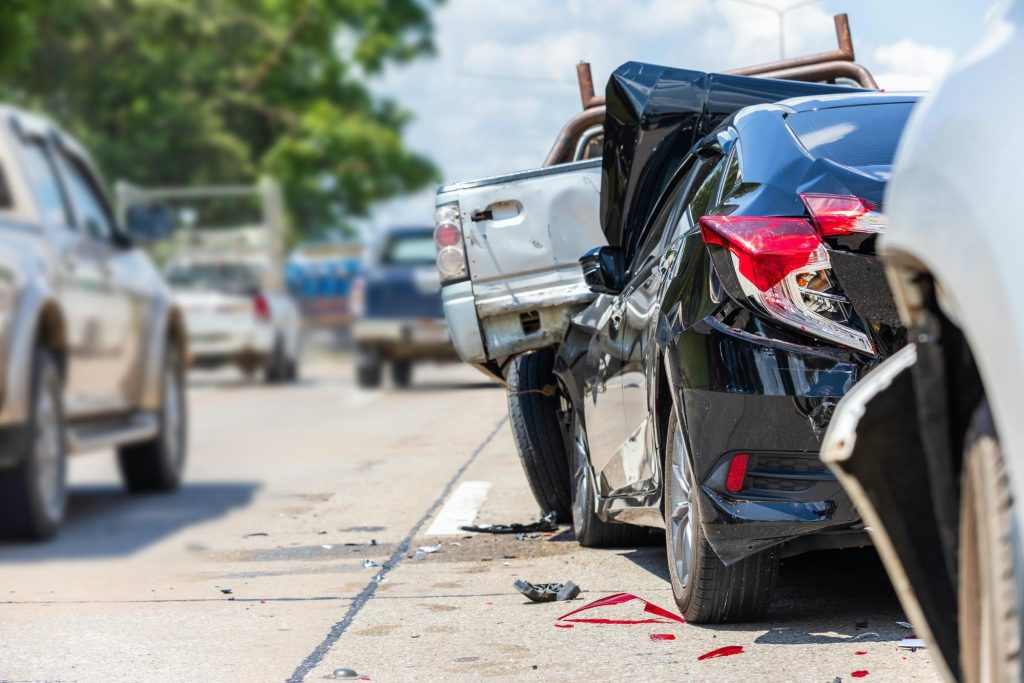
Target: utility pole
x=781, y=14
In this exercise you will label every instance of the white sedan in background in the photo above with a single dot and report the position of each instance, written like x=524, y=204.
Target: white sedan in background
x=235, y=317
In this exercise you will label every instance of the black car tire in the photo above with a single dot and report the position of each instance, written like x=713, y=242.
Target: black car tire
x=401, y=373
x=990, y=635
x=591, y=531
x=158, y=464
x=276, y=370
x=533, y=410
x=711, y=593
x=27, y=509
x=369, y=368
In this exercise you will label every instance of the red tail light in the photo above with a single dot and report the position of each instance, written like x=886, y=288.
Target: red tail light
x=451, y=253
x=447, y=235
x=843, y=215
x=766, y=249
x=737, y=473
x=261, y=307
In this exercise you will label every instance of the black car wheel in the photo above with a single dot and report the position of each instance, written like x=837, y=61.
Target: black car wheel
x=158, y=464
x=705, y=590
x=990, y=635
x=276, y=369
x=369, y=368
x=33, y=496
x=536, y=417
x=591, y=531
x=401, y=373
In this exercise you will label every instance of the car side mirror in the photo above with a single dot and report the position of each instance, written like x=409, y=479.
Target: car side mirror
x=604, y=269
x=149, y=223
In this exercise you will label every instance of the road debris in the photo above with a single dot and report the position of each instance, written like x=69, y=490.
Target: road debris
x=346, y=675
x=326, y=546
x=664, y=616
x=225, y=591
x=367, y=564
x=726, y=651
x=912, y=644
x=860, y=652
x=663, y=636
x=865, y=635
x=860, y=674
x=547, y=592
x=548, y=522
x=256, y=533
x=905, y=624
x=529, y=537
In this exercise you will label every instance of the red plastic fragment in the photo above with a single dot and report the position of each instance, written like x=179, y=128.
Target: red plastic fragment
x=617, y=599
x=860, y=652
x=663, y=636
x=564, y=625
x=860, y=674
x=722, y=652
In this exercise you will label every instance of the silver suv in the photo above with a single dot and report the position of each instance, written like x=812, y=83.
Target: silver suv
x=92, y=349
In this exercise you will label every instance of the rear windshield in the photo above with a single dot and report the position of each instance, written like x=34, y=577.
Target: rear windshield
x=861, y=135
x=410, y=250
x=234, y=278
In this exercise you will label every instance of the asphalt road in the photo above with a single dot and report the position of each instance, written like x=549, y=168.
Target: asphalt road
x=254, y=570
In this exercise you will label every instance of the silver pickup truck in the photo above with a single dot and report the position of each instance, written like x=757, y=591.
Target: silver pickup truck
x=92, y=348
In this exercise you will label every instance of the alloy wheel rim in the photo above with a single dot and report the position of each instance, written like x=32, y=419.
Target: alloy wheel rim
x=580, y=480
x=49, y=454
x=172, y=417
x=683, y=523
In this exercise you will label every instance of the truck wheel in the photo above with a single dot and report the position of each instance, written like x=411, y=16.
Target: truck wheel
x=533, y=409
x=401, y=373
x=591, y=531
x=705, y=590
x=368, y=368
x=990, y=637
x=157, y=464
x=33, y=496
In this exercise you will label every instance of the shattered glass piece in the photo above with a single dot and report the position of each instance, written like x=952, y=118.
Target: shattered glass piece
x=665, y=617
x=860, y=674
x=726, y=651
x=663, y=636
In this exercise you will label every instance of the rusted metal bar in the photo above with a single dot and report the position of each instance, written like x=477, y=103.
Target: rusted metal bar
x=844, y=53
x=586, y=80
x=825, y=71
x=565, y=144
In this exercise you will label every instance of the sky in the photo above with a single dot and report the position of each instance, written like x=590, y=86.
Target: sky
x=503, y=81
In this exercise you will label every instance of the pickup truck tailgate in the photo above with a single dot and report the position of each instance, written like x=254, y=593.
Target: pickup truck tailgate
x=523, y=235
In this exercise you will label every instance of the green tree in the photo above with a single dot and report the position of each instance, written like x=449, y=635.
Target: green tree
x=211, y=91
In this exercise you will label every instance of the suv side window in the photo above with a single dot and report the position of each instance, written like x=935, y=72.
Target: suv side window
x=42, y=176
x=90, y=206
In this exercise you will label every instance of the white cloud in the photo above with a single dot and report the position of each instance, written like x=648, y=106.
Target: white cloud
x=908, y=65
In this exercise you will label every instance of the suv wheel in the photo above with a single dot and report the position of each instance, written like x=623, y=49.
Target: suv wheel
x=535, y=415
x=368, y=368
x=990, y=637
x=705, y=590
x=401, y=373
x=33, y=496
x=591, y=531
x=157, y=464
x=276, y=369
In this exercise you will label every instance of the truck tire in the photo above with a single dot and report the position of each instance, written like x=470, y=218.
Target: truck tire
x=533, y=409
x=368, y=368
x=33, y=496
x=990, y=637
x=591, y=531
x=705, y=590
x=401, y=373
x=158, y=464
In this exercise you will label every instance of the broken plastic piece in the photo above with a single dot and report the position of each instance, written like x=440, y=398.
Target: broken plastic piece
x=726, y=651
x=547, y=592
x=663, y=636
x=860, y=652
x=912, y=644
x=548, y=522
x=225, y=591
x=370, y=563
x=565, y=626
x=860, y=674
x=666, y=617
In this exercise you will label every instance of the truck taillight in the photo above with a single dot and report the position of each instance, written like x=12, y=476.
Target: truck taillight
x=836, y=215
x=782, y=265
x=261, y=307
x=451, y=252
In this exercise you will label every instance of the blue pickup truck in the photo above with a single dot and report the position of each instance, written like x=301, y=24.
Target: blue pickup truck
x=397, y=304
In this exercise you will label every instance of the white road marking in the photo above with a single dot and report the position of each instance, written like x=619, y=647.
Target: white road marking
x=461, y=509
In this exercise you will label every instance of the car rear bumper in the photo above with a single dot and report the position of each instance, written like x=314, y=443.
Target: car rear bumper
x=425, y=338
x=772, y=401
x=208, y=347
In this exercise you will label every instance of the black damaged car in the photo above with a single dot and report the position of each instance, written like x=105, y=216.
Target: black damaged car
x=738, y=300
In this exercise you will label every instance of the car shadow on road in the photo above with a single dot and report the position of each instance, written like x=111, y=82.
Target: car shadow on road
x=107, y=521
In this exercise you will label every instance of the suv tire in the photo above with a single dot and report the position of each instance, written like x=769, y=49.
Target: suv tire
x=33, y=496
x=534, y=413
x=158, y=464
x=705, y=590
x=401, y=373
x=990, y=636
x=591, y=531
x=368, y=368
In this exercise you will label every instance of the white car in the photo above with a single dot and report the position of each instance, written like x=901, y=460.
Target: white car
x=235, y=318
x=931, y=444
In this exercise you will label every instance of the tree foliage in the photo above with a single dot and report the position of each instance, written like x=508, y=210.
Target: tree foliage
x=171, y=92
